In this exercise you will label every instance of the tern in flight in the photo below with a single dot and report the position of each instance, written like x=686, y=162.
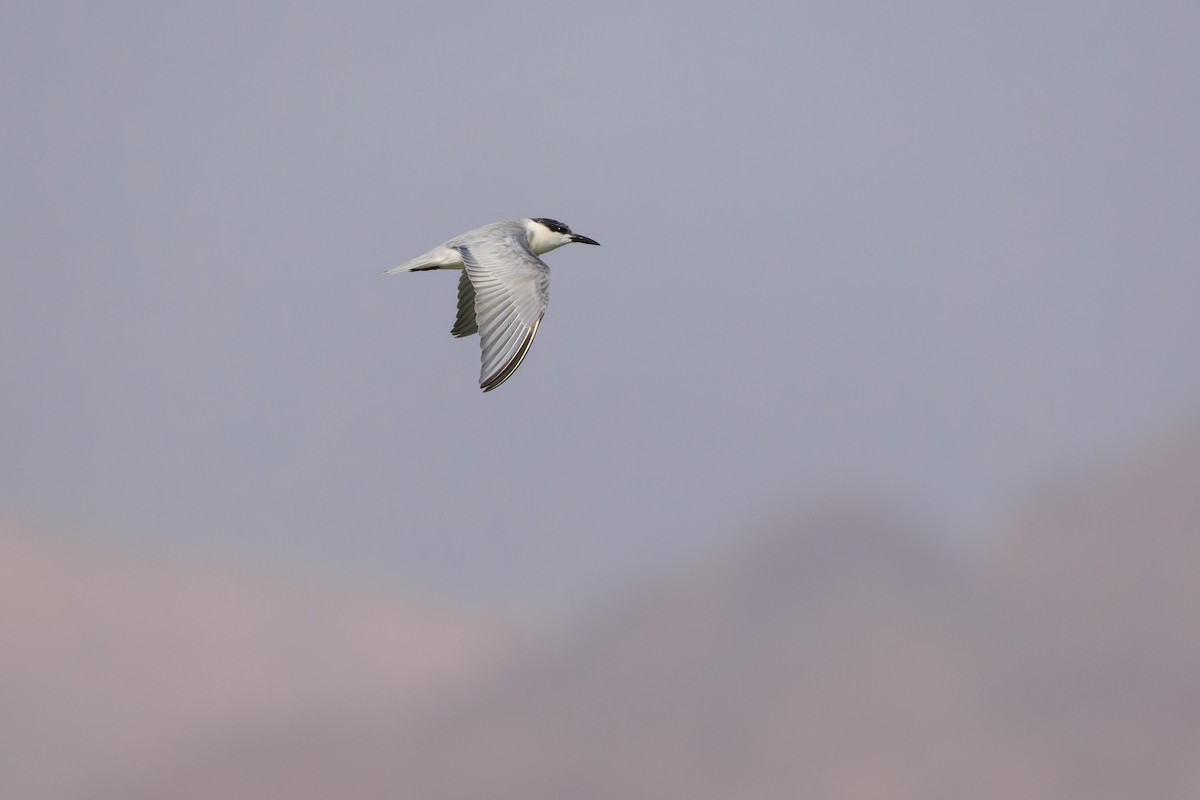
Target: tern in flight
x=504, y=287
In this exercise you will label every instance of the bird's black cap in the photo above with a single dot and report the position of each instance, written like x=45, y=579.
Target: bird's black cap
x=553, y=225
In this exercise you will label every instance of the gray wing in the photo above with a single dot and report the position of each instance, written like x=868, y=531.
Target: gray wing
x=464, y=323
x=512, y=290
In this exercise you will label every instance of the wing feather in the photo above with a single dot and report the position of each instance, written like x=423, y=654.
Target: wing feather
x=511, y=288
x=464, y=322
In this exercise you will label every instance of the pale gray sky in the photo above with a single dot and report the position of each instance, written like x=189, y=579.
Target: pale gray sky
x=936, y=247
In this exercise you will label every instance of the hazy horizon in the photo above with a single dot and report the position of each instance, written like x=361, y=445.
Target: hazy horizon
x=847, y=647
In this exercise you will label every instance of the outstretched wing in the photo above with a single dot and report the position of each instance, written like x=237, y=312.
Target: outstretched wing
x=464, y=323
x=512, y=290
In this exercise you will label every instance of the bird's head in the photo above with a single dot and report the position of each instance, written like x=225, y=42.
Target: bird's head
x=545, y=235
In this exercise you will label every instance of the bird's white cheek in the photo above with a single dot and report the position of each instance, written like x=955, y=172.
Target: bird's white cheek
x=541, y=243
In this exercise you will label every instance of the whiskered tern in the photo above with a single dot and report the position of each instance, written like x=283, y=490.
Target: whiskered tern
x=504, y=288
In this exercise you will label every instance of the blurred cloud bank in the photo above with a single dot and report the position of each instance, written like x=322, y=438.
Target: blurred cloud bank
x=847, y=651
x=113, y=661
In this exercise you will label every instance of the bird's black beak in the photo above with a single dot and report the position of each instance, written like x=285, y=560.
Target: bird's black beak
x=575, y=237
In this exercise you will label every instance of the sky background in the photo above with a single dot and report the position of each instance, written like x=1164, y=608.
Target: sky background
x=936, y=249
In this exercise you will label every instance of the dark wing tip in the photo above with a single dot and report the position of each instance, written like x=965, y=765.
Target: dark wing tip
x=505, y=372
